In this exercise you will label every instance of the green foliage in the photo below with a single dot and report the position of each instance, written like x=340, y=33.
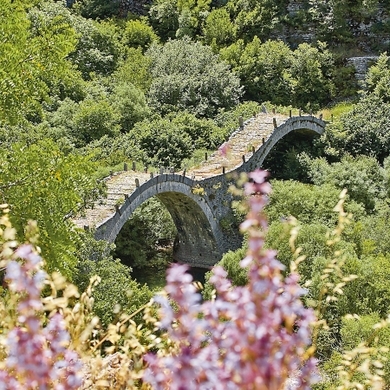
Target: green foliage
x=307, y=203
x=117, y=291
x=110, y=152
x=53, y=24
x=231, y=264
x=376, y=235
x=203, y=132
x=256, y=17
x=162, y=143
x=271, y=71
x=263, y=69
x=363, y=130
x=336, y=20
x=94, y=119
x=228, y=120
x=130, y=104
x=40, y=183
x=98, y=50
x=138, y=34
x=178, y=18
x=191, y=17
x=356, y=332
x=138, y=240
x=361, y=176
x=164, y=18
x=311, y=238
x=134, y=69
x=218, y=30
x=31, y=56
x=103, y=112
x=312, y=71
x=378, y=78
x=97, y=9
x=188, y=76
x=370, y=291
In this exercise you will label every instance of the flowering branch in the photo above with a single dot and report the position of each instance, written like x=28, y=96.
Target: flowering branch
x=251, y=337
x=37, y=356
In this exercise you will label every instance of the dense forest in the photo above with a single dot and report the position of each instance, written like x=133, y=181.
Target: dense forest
x=88, y=85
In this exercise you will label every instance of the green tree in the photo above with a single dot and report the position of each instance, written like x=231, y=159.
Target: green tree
x=29, y=58
x=188, y=76
x=134, y=69
x=94, y=119
x=203, y=132
x=98, y=49
x=364, y=130
x=256, y=17
x=218, y=30
x=130, y=103
x=361, y=176
x=192, y=14
x=41, y=183
x=117, y=291
x=164, y=18
x=97, y=9
x=263, y=69
x=231, y=264
x=308, y=203
x=163, y=142
x=137, y=33
x=312, y=69
x=378, y=78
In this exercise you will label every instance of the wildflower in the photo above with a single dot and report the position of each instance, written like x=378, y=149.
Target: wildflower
x=37, y=356
x=254, y=336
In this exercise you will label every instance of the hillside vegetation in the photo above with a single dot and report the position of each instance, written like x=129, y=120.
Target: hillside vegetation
x=88, y=85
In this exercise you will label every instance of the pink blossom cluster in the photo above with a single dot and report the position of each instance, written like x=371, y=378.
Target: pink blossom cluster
x=251, y=337
x=37, y=356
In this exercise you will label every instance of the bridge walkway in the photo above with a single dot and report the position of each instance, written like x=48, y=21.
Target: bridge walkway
x=241, y=143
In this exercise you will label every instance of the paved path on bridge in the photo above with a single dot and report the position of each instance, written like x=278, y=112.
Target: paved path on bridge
x=241, y=143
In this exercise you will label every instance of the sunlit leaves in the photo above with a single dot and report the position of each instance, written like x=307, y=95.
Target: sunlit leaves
x=28, y=58
x=39, y=182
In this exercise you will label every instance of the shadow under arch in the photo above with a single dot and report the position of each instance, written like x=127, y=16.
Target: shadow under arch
x=198, y=230
x=283, y=161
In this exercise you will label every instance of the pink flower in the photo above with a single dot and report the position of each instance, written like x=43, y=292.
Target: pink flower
x=37, y=356
x=224, y=149
x=248, y=337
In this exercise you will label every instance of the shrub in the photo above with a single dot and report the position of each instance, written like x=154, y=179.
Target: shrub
x=188, y=76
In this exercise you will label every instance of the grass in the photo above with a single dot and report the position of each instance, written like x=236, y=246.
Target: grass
x=105, y=170
x=196, y=159
x=337, y=110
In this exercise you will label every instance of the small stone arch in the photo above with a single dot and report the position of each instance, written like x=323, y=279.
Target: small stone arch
x=310, y=123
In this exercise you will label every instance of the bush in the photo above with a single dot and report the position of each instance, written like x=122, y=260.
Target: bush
x=138, y=34
x=188, y=76
x=162, y=142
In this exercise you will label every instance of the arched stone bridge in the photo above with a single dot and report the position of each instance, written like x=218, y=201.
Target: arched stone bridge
x=200, y=206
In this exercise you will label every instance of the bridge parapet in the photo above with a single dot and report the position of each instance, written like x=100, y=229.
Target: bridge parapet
x=200, y=208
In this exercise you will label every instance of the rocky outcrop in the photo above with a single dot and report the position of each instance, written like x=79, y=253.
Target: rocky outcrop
x=137, y=7
x=361, y=65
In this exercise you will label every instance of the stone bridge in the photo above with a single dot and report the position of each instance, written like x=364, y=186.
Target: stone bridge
x=199, y=201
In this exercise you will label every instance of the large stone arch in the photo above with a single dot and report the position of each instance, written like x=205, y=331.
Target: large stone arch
x=198, y=240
